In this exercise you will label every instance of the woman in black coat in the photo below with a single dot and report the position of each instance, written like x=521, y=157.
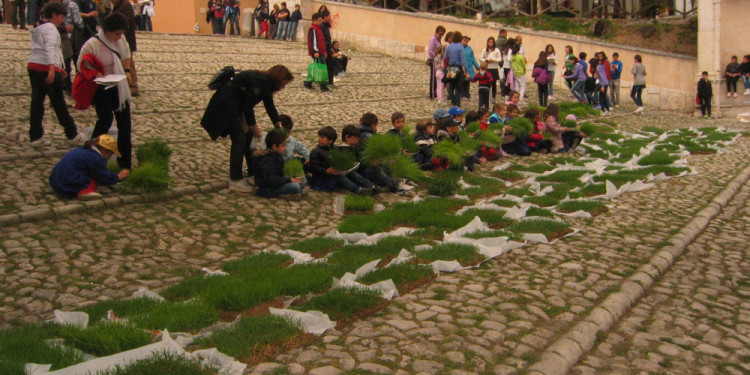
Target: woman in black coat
x=230, y=112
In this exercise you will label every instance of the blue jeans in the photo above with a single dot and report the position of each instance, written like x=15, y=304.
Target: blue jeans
x=233, y=23
x=30, y=10
x=292, y=30
x=353, y=181
x=746, y=81
x=635, y=94
x=281, y=32
x=550, y=83
x=577, y=90
x=288, y=188
x=146, y=20
x=603, y=98
x=455, y=90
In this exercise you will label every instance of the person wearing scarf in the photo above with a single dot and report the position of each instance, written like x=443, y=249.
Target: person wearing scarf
x=111, y=102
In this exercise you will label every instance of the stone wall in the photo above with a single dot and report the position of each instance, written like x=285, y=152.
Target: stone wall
x=670, y=83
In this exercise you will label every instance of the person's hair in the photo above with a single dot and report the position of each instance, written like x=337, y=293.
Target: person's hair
x=705, y=73
x=325, y=13
x=483, y=65
x=552, y=110
x=296, y=5
x=575, y=59
x=569, y=48
x=498, y=106
x=286, y=123
x=349, y=131
x=422, y=125
x=53, y=8
x=593, y=63
x=275, y=138
x=283, y=4
x=618, y=55
x=457, y=37
x=328, y=132
x=114, y=22
x=548, y=47
x=448, y=37
x=494, y=44
x=471, y=116
x=603, y=55
x=439, y=51
x=640, y=59
x=510, y=43
x=466, y=38
x=516, y=48
x=397, y=115
x=334, y=42
x=440, y=29
x=515, y=93
x=532, y=113
x=582, y=56
x=278, y=74
x=542, y=60
x=503, y=32
x=482, y=111
x=734, y=57
x=512, y=107
x=368, y=119
x=322, y=8
x=316, y=16
x=275, y=5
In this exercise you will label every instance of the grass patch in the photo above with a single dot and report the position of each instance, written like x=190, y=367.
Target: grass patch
x=382, y=147
x=442, y=187
x=658, y=158
x=164, y=364
x=567, y=176
x=415, y=214
x=343, y=158
x=543, y=200
x=345, y=303
x=293, y=168
x=653, y=129
x=467, y=255
x=26, y=344
x=121, y=308
x=536, y=211
x=360, y=203
x=405, y=275
x=519, y=191
x=148, y=177
x=317, y=246
x=507, y=175
x=404, y=166
x=611, y=136
x=349, y=258
x=591, y=206
x=176, y=317
x=249, y=337
x=105, y=338
x=493, y=218
x=494, y=233
x=550, y=228
x=504, y=202
x=534, y=168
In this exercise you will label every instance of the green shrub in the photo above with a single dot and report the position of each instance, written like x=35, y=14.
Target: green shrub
x=359, y=203
x=521, y=127
x=442, y=187
x=293, y=168
x=448, y=150
x=148, y=177
x=343, y=158
x=382, y=147
x=404, y=166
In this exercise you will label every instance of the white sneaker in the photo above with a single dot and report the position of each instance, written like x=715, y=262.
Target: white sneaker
x=550, y=97
x=639, y=110
x=41, y=142
x=405, y=187
x=240, y=185
x=729, y=95
x=90, y=196
x=735, y=94
x=747, y=92
x=78, y=140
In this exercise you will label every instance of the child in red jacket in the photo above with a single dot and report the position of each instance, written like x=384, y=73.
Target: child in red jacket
x=485, y=79
x=535, y=140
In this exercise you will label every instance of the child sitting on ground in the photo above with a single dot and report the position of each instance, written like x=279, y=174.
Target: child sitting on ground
x=269, y=168
x=511, y=113
x=451, y=133
x=572, y=138
x=553, y=127
x=368, y=126
x=373, y=171
x=457, y=114
x=489, y=153
x=83, y=169
x=500, y=110
x=293, y=146
x=535, y=140
x=511, y=144
x=425, y=139
x=515, y=97
x=485, y=79
x=398, y=121
x=324, y=177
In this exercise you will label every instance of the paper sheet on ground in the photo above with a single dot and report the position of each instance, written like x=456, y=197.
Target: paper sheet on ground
x=314, y=322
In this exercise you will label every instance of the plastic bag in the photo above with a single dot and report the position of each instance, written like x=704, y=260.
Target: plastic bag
x=317, y=72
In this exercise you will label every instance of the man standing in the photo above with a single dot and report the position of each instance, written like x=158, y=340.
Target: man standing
x=18, y=13
x=124, y=8
x=283, y=16
x=502, y=39
x=316, y=47
x=326, y=28
x=233, y=17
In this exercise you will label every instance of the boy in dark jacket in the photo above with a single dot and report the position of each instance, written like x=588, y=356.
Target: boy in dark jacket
x=316, y=47
x=425, y=139
x=269, y=170
x=398, y=121
x=324, y=177
x=368, y=126
x=705, y=92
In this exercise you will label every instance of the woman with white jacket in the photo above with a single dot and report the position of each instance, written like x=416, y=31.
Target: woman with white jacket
x=492, y=56
x=112, y=102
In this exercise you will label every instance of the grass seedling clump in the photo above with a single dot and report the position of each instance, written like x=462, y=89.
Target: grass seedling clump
x=318, y=246
x=401, y=214
x=469, y=145
x=490, y=139
x=592, y=206
x=550, y=228
x=361, y=203
x=448, y=150
x=382, y=147
x=404, y=166
x=293, y=168
x=543, y=200
x=345, y=303
x=653, y=129
x=229, y=293
x=542, y=212
x=408, y=143
x=534, y=168
x=148, y=177
x=494, y=233
x=591, y=129
x=472, y=127
x=519, y=191
x=493, y=218
x=467, y=255
x=442, y=187
x=155, y=151
x=590, y=190
x=611, y=136
x=163, y=363
x=105, y=338
x=27, y=344
x=343, y=158
x=350, y=257
x=565, y=176
x=177, y=316
x=521, y=127
x=507, y=175
x=658, y=158
x=253, y=263
x=504, y=202
x=120, y=307
x=406, y=276
x=251, y=337
x=695, y=148
x=113, y=166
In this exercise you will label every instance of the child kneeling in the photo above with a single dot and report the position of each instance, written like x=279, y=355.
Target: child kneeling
x=80, y=172
x=269, y=170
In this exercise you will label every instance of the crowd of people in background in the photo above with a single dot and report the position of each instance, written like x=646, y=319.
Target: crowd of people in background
x=279, y=23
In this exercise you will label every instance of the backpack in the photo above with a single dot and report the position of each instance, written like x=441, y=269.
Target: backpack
x=221, y=78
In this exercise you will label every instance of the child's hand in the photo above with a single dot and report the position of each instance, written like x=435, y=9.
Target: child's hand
x=297, y=180
x=583, y=134
x=333, y=171
x=123, y=174
x=307, y=162
x=482, y=160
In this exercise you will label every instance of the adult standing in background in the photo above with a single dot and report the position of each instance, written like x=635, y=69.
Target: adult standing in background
x=432, y=47
x=147, y=11
x=471, y=64
x=293, y=22
x=233, y=18
x=73, y=21
x=122, y=7
x=283, y=16
x=330, y=62
x=273, y=21
x=492, y=56
x=614, y=83
x=30, y=10
x=551, y=69
x=639, y=82
x=456, y=60
x=502, y=39
x=217, y=23
x=18, y=13
x=258, y=16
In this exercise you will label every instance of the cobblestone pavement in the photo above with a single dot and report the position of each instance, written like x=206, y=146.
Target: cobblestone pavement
x=497, y=319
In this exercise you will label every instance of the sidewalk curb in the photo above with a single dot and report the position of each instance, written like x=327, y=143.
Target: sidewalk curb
x=108, y=202
x=560, y=356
